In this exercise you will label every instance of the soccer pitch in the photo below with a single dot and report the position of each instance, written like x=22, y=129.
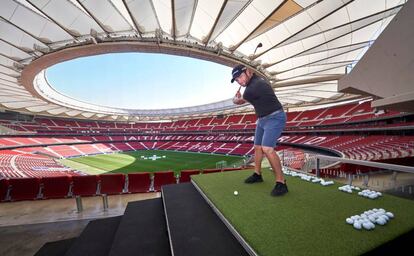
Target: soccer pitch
x=142, y=161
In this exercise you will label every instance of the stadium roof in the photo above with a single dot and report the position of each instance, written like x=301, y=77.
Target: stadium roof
x=306, y=45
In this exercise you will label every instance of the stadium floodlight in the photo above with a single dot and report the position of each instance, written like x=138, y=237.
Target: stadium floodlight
x=94, y=40
x=94, y=36
x=41, y=49
x=158, y=35
x=18, y=66
x=219, y=48
x=256, y=63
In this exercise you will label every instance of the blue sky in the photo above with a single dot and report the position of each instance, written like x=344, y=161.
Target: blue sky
x=142, y=80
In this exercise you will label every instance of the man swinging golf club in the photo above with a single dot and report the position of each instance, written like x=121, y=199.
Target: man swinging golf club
x=271, y=120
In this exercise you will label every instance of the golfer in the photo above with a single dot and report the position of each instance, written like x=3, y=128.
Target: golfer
x=271, y=120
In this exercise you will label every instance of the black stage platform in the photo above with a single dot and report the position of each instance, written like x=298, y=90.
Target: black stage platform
x=180, y=223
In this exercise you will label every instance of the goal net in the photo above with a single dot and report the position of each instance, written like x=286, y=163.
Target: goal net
x=221, y=165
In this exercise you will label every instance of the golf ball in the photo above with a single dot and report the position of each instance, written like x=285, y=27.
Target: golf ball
x=390, y=214
x=235, y=192
x=381, y=221
x=367, y=225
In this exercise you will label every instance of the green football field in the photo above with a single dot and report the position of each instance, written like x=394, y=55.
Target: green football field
x=134, y=162
x=309, y=220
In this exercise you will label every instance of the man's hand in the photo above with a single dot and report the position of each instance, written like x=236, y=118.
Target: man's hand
x=238, y=94
x=238, y=100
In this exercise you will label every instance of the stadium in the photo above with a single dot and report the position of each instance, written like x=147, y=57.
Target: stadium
x=79, y=177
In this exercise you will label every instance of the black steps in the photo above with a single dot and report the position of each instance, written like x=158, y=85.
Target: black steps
x=194, y=227
x=180, y=223
x=142, y=230
x=96, y=238
x=56, y=248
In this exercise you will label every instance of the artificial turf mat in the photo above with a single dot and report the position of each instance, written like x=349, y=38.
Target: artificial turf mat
x=309, y=220
x=132, y=162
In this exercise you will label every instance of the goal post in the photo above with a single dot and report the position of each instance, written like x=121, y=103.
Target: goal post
x=221, y=165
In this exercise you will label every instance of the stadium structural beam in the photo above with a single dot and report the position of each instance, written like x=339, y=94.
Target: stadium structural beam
x=385, y=70
x=307, y=81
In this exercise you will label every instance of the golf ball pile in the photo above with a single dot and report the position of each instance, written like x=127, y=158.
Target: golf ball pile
x=348, y=188
x=300, y=175
x=322, y=181
x=368, y=219
x=308, y=178
x=371, y=194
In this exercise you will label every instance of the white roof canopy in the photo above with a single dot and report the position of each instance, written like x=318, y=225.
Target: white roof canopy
x=307, y=45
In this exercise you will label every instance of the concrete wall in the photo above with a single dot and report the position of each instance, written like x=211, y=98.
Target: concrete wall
x=386, y=71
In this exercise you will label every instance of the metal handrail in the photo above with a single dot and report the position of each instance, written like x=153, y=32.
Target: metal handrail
x=393, y=167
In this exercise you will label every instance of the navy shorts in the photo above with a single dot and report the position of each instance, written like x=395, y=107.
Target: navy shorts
x=269, y=128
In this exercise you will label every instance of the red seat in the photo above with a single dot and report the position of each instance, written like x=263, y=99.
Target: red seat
x=4, y=186
x=139, y=182
x=206, y=171
x=112, y=183
x=163, y=178
x=85, y=185
x=56, y=187
x=185, y=175
x=24, y=188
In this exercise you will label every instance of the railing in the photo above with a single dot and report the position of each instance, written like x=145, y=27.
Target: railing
x=383, y=178
x=393, y=167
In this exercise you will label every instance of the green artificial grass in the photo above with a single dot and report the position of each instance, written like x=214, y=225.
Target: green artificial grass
x=131, y=162
x=309, y=220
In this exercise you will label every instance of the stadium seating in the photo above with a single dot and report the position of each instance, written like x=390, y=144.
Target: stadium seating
x=24, y=188
x=56, y=187
x=352, y=112
x=201, y=122
x=185, y=175
x=18, y=163
x=84, y=185
x=308, y=115
x=34, y=156
x=163, y=178
x=139, y=182
x=112, y=183
x=249, y=118
x=234, y=119
x=218, y=120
